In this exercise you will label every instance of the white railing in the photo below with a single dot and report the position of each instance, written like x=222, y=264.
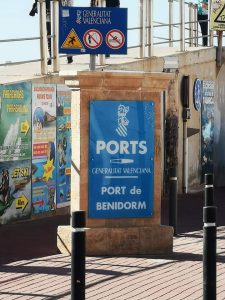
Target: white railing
x=179, y=33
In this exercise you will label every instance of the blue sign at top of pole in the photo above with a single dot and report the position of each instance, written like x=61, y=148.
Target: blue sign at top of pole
x=92, y=30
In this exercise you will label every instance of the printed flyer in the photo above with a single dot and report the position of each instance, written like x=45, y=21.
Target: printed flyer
x=207, y=136
x=15, y=190
x=43, y=147
x=15, y=122
x=63, y=146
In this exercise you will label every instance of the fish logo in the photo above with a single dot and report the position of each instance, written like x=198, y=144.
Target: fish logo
x=123, y=122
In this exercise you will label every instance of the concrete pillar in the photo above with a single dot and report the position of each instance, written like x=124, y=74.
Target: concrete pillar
x=124, y=236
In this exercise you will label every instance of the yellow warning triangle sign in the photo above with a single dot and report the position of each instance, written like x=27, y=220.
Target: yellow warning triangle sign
x=72, y=41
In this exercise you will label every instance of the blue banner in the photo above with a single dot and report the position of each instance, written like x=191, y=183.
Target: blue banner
x=121, y=159
x=92, y=30
x=64, y=152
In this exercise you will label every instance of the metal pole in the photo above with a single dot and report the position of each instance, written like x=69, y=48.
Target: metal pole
x=78, y=256
x=173, y=198
x=142, y=35
x=170, y=23
x=209, y=253
x=101, y=56
x=195, y=25
x=55, y=10
x=219, y=49
x=92, y=64
x=150, y=27
x=185, y=158
x=190, y=5
x=182, y=28
x=209, y=197
x=210, y=32
x=43, y=35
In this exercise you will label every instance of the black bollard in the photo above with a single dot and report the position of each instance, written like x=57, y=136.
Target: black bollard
x=209, y=197
x=173, y=199
x=209, y=253
x=78, y=256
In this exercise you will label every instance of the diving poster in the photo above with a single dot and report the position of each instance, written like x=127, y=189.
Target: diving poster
x=207, y=136
x=43, y=147
x=15, y=122
x=63, y=146
x=15, y=190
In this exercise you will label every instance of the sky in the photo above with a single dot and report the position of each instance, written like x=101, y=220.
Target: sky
x=15, y=22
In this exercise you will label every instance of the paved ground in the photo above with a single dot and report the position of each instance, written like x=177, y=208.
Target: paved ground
x=44, y=274
x=178, y=276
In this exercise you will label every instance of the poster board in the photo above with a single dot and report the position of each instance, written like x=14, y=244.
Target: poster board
x=43, y=147
x=63, y=169
x=15, y=152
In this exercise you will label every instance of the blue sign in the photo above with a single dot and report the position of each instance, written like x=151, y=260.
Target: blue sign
x=121, y=159
x=92, y=30
x=197, y=94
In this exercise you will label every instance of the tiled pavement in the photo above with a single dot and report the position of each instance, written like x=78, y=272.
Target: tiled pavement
x=177, y=276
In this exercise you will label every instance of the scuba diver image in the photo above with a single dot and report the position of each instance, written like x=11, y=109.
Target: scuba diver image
x=62, y=145
x=41, y=118
x=4, y=187
x=37, y=167
x=51, y=151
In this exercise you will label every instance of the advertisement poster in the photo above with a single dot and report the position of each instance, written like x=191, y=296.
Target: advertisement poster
x=121, y=159
x=15, y=122
x=43, y=185
x=43, y=147
x=15, y=191
x=207, y=143
x=63, y=146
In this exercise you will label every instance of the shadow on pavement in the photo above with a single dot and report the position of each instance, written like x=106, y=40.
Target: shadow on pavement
x=30, y=239
x=190, y=210
x=38, y=238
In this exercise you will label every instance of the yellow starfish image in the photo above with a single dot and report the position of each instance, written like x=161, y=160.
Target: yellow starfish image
x=48, y=168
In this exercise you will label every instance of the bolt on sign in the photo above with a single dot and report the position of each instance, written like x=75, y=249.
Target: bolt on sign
x=217, y=17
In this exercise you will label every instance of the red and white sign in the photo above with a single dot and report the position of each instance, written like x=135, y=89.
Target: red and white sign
x=115, y=39
x=92, y=38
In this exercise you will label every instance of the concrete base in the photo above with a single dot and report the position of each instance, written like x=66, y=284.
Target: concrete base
x=155, y=239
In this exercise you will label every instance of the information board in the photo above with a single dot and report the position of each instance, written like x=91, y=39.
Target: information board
x=92, y=30
x=121, y=159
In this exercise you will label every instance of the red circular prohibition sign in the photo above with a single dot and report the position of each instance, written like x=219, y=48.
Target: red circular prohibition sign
x=115, y=39
x=92, y=38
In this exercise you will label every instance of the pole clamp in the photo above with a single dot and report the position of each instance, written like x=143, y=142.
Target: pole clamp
x=208, y=186
x=78, y=229
x=209, y=224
